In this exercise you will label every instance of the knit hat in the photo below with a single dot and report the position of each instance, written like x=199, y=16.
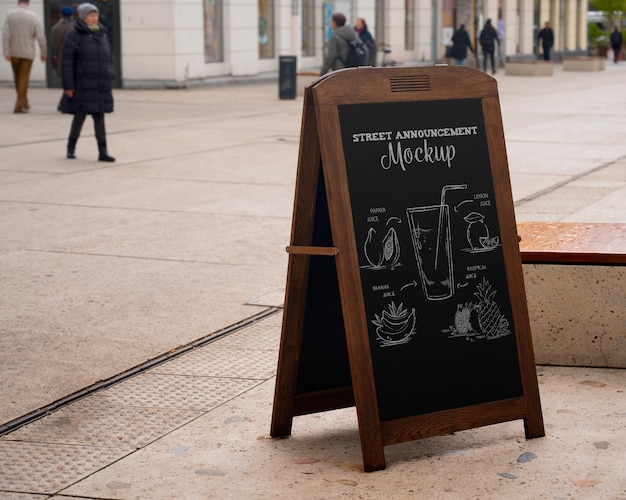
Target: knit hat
x=84, y=9
x=67, y=11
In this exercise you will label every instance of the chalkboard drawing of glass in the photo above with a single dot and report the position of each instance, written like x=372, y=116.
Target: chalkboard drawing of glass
x=430, y=234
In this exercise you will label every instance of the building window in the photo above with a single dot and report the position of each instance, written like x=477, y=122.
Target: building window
x=308, y=27
x=266, y=29
x=213, y=41
x=409, y=25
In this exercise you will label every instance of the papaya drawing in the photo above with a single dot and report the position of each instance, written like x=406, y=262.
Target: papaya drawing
x=382, y=254
x=372, y=249
x=391, y=248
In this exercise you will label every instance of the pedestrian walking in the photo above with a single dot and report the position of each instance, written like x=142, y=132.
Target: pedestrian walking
x=21, y=28
x=87, y=75
x=546, y=37
x=337, y=45
x=616, y=43
x=488, y=40
x=57, y=35
x=360, y=26
x=460, y=43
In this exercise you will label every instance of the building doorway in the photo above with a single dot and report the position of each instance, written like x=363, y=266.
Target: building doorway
x=109, y=18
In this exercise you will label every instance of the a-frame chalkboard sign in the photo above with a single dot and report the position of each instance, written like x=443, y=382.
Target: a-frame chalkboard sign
x=405, y=294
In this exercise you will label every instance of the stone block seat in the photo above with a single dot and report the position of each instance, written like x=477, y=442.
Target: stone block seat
x=528, y=67
x=591, y=63
x=575, y=278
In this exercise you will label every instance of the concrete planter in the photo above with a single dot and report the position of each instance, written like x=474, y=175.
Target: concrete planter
x=603, y=50
x=584, y=64
x=529, y=68
x=574, y=275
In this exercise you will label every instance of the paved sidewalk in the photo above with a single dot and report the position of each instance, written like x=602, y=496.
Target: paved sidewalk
x=105, y=267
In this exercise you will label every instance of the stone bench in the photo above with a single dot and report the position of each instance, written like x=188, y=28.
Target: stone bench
x=304, y=79
x=528, y=67
x=584, y=64
x=575, y=278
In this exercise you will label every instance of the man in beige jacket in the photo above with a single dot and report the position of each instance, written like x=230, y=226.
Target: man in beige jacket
x=21, y=29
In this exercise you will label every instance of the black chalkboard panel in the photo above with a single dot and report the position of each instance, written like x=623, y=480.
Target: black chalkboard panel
x=430, y=256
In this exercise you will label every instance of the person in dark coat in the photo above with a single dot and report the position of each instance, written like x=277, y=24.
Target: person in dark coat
x=360, y=26
x=87, y=74
x=488, y=39
x=460, y=43
x=546, y=36
x=616, y=43
x=57, y=35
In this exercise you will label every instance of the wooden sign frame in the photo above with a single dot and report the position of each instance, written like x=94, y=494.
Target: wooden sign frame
x=322, y=199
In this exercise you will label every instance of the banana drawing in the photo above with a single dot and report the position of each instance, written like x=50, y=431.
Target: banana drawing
x=395, y=326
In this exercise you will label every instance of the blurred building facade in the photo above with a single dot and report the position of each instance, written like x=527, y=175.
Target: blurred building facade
x=184, y=42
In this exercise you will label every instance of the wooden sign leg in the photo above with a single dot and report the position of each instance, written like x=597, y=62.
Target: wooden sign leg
x=291, y=340
x=533, y=423
x=297, y=272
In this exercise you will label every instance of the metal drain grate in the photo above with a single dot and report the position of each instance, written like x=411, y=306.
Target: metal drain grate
x=77, y=396
x=410, y=83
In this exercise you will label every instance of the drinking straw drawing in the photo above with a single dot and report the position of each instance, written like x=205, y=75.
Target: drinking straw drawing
x=440, y=224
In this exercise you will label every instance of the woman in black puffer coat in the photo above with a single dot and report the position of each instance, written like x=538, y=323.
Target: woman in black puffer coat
x=87, y=75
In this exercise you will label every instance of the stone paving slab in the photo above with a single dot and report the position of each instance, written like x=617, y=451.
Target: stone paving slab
x=46, y=468
x=215, y=238
x=93, y=316
x=102, y=421
x=596, y=196
x=274, y=159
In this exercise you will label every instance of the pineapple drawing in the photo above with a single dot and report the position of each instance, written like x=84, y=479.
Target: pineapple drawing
x=489, y=316
x=481, y=320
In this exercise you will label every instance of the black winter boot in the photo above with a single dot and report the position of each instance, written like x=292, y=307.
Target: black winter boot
x=71, y=149
x=77, y=125
x=104, y=155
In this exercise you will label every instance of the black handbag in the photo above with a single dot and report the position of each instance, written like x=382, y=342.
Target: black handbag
x=66, y=105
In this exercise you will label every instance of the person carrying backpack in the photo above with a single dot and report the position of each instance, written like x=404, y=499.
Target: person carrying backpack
x=339, y=46
x=488, y=39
